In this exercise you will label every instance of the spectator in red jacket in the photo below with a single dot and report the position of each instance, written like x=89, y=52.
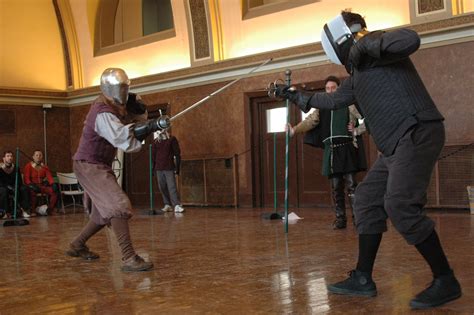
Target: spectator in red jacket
x=40, y=180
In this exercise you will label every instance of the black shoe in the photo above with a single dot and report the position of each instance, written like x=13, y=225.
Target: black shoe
x=442, y=290
x=339, y=223
x=359, y=283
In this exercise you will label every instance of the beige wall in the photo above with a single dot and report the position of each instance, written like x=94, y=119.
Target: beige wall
x=31, y=53
x=301, y=25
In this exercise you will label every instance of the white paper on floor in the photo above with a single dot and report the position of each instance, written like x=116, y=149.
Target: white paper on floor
x=292, y=217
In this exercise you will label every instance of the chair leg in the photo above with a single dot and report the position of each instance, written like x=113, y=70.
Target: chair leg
x=73, y=204
x=62, y=203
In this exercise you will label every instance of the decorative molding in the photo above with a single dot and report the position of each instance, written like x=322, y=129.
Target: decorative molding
x=249, y=11
x=445, y=24
x=73, y=49
x=31, y=92
x=199, y=30
x=64, y=40
x=422, y=11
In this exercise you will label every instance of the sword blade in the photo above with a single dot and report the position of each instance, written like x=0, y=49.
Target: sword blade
x=219, y=90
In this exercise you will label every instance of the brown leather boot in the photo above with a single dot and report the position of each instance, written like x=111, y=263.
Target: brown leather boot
x=136, y=263
x=340, y=223
x=82, y=252
x=351, y=185
x=337, y=185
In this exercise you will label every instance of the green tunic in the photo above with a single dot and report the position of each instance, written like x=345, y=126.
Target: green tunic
x=338, y=139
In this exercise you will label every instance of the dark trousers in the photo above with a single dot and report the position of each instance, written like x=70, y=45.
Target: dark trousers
x=395, y=187
x=23, y=198
x=167, y=184
x=338, y=184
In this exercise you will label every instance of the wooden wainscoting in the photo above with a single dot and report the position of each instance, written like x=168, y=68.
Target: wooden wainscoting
x=209, y=182
x=453, y=172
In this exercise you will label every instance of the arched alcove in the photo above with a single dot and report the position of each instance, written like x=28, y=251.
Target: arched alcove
x=123, y=24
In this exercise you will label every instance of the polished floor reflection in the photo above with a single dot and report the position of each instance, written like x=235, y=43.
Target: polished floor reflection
x=220, y=261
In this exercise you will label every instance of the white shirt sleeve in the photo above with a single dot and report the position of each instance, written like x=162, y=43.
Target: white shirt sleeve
x=108, y=126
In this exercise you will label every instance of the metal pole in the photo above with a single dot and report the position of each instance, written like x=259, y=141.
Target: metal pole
x=151, y=179
x=287, y=156
x=219, y=90
x=274, y=174
x=44, y=129
x=17, y=171
x=236, y=180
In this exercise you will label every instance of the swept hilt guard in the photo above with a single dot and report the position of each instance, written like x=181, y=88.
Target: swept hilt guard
x=275, y=89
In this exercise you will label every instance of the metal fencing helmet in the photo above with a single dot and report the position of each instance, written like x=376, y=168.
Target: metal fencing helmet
x=337, y=39
x=114, y=84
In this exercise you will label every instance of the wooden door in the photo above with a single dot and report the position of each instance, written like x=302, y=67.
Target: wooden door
x=307, y=186
x=314, y=189
x=273, y=153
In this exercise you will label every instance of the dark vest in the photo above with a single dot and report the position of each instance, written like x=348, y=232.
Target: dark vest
x=393, y=98
x=315, y=136
x=92, y=147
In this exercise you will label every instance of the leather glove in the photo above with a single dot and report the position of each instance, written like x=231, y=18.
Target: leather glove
x=369, y=45
x=142, y=129
x=297, y=97
x=281, y=90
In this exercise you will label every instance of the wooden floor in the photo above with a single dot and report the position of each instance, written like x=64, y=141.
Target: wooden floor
x=220, y=261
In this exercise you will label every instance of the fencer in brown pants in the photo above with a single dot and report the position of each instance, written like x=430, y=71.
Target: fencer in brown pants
x=110, y=206
x=116, y=119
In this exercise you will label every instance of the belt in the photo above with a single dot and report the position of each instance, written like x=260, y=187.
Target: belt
x=332, y=146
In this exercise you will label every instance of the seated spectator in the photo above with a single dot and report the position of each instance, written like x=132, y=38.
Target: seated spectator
x=8, y=171
x=39, y=179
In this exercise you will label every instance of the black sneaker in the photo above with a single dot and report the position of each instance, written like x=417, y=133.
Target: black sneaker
x=339, y=223
x=359, y=283
x=442, y=290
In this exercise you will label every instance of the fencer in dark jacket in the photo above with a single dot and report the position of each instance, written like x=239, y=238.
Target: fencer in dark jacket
x=408, y=130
